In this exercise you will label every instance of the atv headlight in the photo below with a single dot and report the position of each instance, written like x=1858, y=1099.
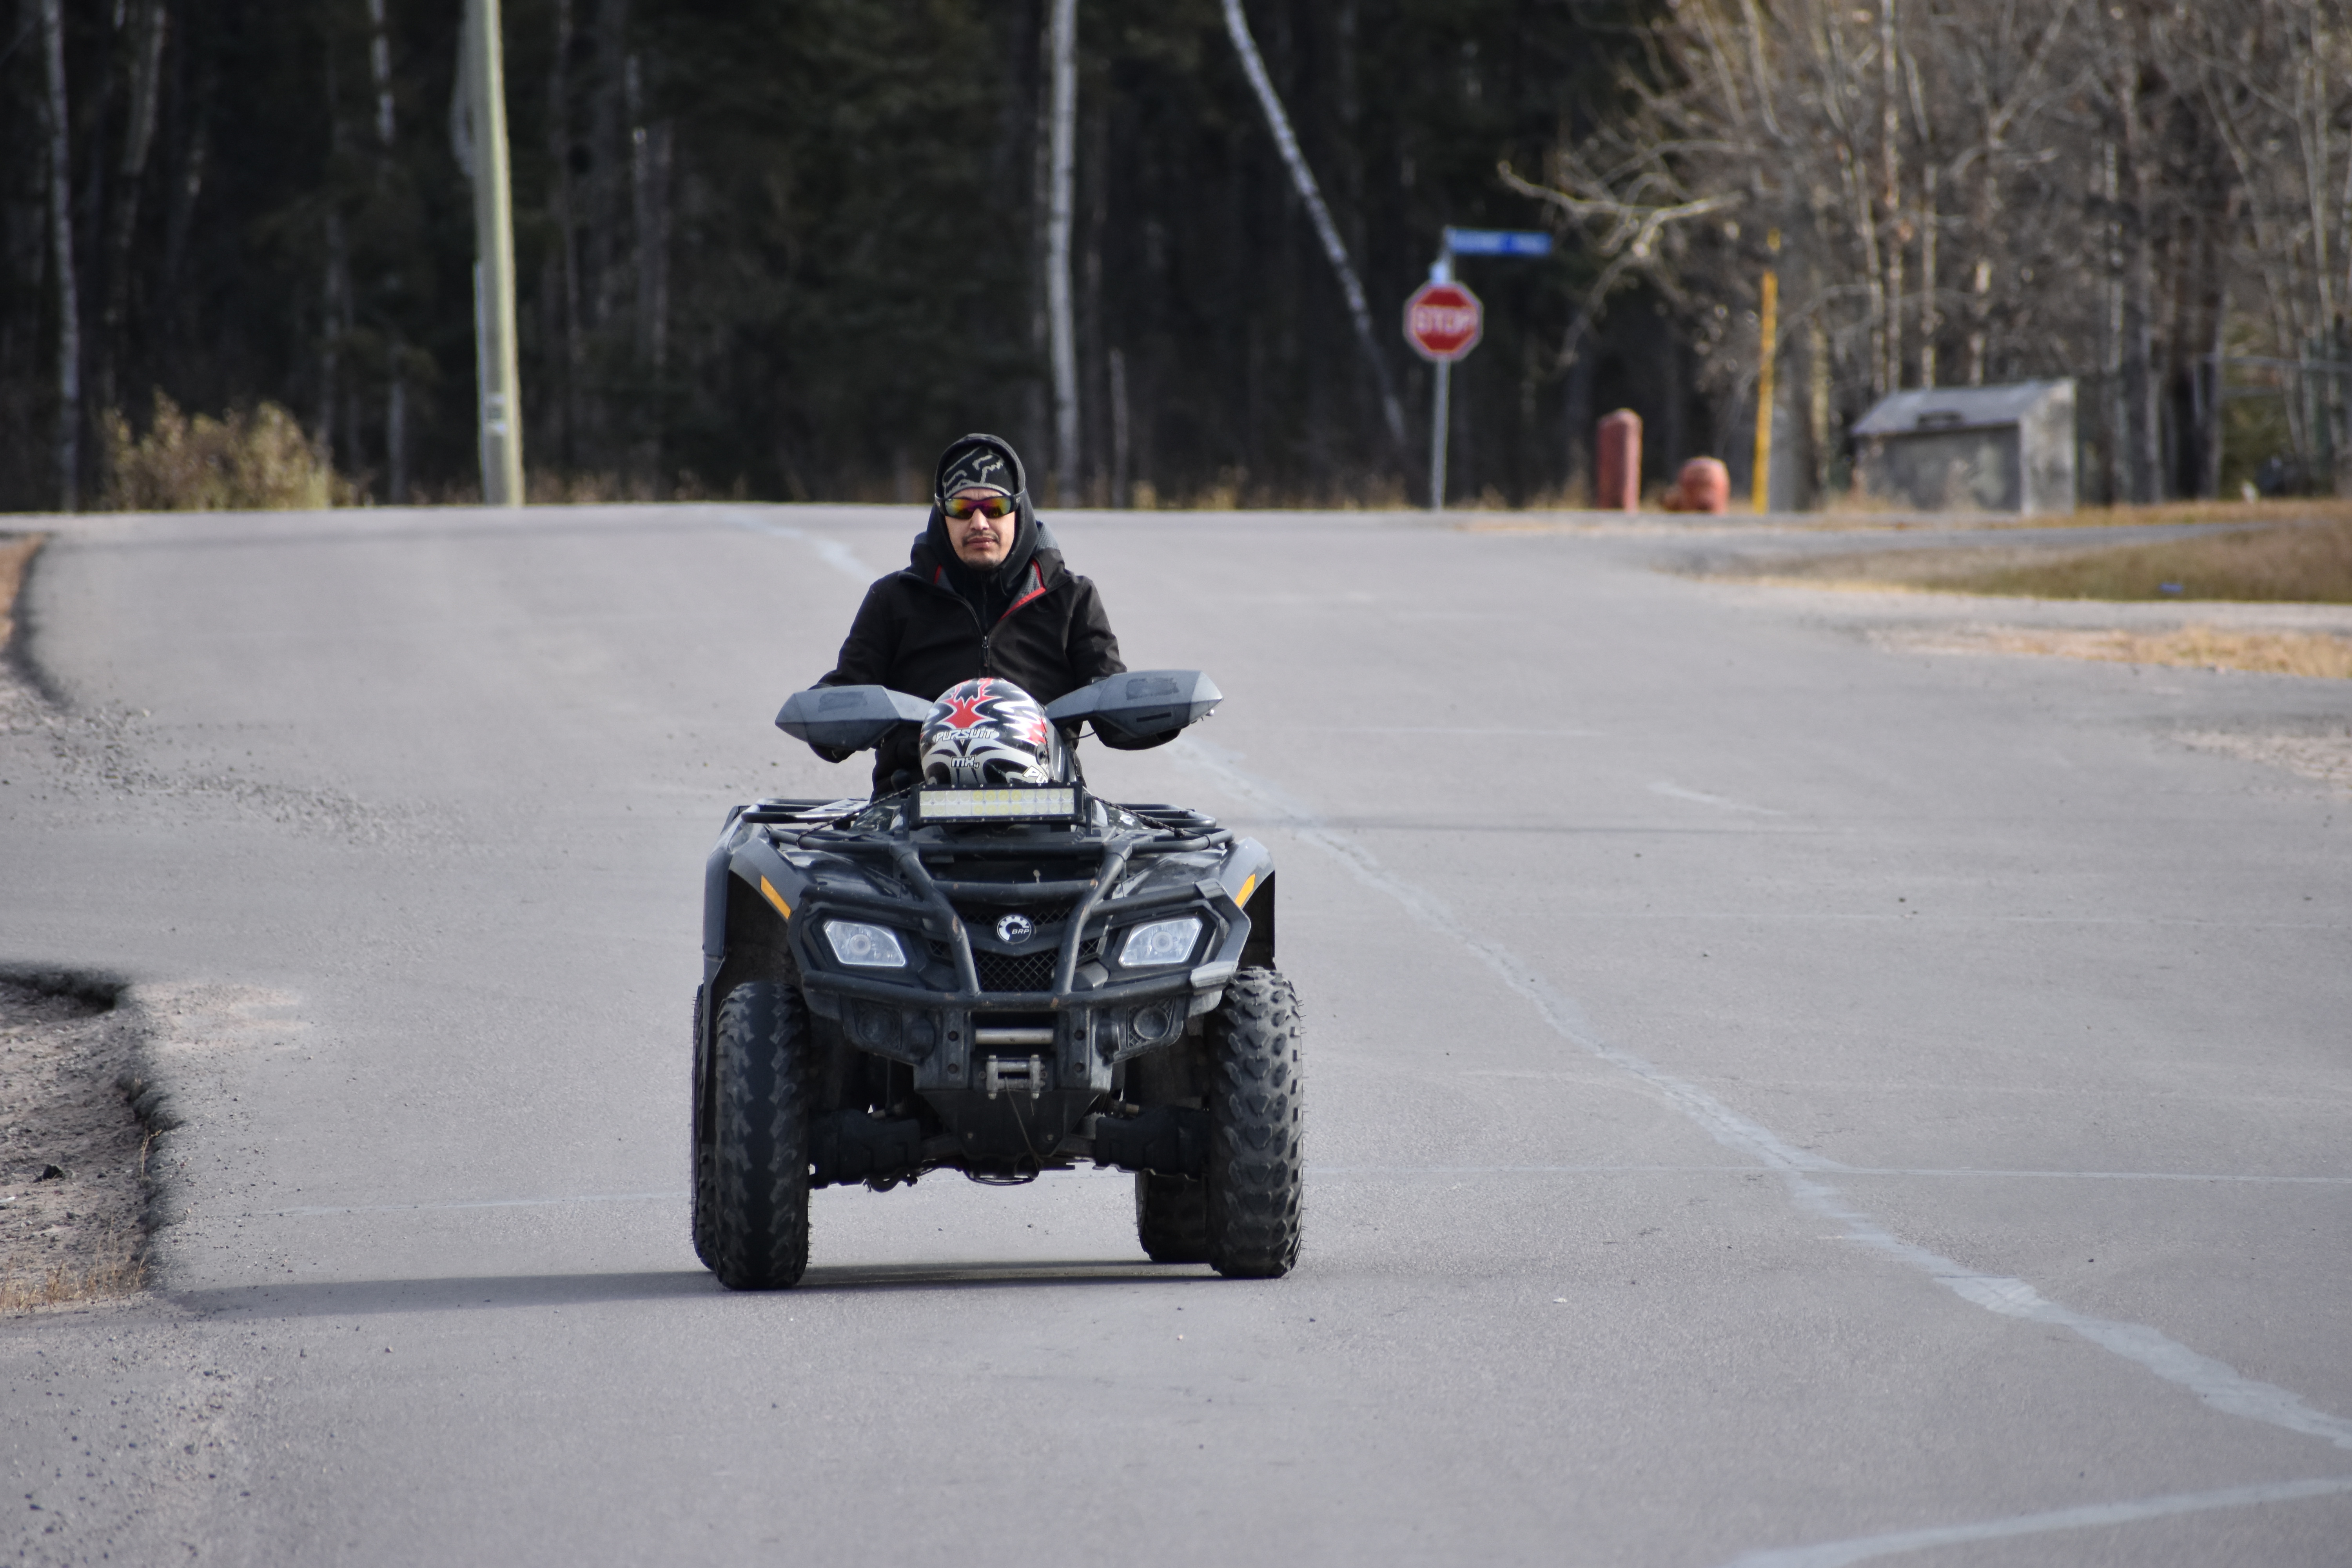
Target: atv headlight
x=864, y=946
x=1161, y=941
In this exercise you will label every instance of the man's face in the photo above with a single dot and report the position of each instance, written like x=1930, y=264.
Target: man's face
x=979, y=538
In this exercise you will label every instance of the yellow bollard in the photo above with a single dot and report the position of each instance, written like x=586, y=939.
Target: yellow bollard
x=1767, y=333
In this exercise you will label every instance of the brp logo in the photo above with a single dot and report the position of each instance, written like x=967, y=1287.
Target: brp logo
x=1015, y=929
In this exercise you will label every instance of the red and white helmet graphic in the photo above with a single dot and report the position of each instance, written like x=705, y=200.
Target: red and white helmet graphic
x=985, y=732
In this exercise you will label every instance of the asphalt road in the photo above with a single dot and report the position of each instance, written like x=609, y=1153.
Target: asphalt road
x=1772, y=1100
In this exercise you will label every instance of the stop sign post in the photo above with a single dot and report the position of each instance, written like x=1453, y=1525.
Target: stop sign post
x=1443, y=321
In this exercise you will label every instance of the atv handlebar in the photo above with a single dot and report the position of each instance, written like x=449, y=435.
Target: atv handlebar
x=1133, y=705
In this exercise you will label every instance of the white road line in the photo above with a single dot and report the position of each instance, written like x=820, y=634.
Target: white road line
x=832, y=551
x=1862, y=1549
x=1727, y=1126
x=2218, y=1384
x=2099, y=1175
x=1957, y=1173
x=1676, y=792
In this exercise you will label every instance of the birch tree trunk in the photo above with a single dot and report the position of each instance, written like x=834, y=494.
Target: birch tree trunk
x=1931, y=319
x=2142, y=431
x=1890, y=157
x=69, y=450
x=650, y=165
x=1286, y=143
x=1061, y=324
x=148, y=25
x=395, y=355
x=562, y=214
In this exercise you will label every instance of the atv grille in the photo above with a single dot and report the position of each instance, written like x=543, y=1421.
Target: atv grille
x=1015, y=971
x=1042, y=914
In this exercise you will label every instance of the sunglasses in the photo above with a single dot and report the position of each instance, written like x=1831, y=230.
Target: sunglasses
x=991, y=507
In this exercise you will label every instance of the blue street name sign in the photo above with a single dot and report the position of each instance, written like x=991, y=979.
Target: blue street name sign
x=1497, y=242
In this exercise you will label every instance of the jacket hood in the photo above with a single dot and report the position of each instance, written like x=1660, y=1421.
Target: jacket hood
x=1028, y=534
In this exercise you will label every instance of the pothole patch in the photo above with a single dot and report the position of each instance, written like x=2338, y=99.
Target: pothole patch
x=2323, y=755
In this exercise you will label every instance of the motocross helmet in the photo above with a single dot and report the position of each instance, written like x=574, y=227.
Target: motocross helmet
x=987, y=732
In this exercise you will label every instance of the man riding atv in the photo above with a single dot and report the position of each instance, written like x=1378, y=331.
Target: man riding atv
x=984, y=593
x=987, y=968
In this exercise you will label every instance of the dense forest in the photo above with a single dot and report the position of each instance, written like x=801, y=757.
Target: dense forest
x=784, y=248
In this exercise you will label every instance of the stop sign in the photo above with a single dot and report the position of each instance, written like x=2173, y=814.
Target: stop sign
x=1443, y=320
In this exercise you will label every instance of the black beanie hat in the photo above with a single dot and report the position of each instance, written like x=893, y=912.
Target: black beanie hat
x=978, y=460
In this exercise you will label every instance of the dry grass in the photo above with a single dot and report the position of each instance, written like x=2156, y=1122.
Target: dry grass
x=2198, y=647
x=73, y=1154
x=118, y=1269
x=2306, y=561
x=2297, y=562
x=2185, y=513
x=246, y=462
x=15, y=555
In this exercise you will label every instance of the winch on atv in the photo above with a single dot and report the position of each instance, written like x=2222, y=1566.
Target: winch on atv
x=1003, y=981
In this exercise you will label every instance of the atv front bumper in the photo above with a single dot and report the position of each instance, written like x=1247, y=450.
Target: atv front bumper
x=1035, y=1040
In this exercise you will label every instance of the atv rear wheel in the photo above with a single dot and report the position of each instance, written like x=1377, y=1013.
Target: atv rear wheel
x=1171, y=1218
x=760, y=1148
x=1256, y=1154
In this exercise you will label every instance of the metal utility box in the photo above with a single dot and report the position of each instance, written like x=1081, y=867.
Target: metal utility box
x=1972, y=448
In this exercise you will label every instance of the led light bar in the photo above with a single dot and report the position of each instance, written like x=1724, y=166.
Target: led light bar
x=1053, y=804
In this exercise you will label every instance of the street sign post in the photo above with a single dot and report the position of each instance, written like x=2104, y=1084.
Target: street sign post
x=1443, y=321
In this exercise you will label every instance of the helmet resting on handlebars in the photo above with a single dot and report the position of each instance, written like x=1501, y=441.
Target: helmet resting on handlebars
x=988, y=732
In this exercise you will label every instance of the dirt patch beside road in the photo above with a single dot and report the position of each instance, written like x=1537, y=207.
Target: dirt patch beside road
x=2323, y=753
x=2198, y=646
x=73, y=1153
x=2301, y=561
x=15, y=553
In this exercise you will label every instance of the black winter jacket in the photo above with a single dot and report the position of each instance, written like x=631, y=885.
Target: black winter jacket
x=917, y=632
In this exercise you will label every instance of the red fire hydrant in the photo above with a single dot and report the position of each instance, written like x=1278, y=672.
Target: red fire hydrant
x=1618, y=456
x=1703, y=485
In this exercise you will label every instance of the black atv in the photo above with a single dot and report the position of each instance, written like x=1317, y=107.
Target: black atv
x=1000, y=982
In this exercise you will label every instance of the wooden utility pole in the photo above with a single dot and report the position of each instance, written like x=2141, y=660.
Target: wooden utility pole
x=1061, y=326
x=494, y=298
x=53, y=30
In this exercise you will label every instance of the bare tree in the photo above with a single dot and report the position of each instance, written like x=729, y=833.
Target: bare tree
x=2277, y=83
x=2066, y=137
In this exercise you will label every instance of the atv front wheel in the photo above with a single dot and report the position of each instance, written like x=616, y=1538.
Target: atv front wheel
x=1256, y=1155
x=760, y=1148
x=1171, y=1218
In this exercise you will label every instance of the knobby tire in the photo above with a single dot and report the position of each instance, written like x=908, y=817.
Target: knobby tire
x=760, y=1164
x=1257, y=1166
